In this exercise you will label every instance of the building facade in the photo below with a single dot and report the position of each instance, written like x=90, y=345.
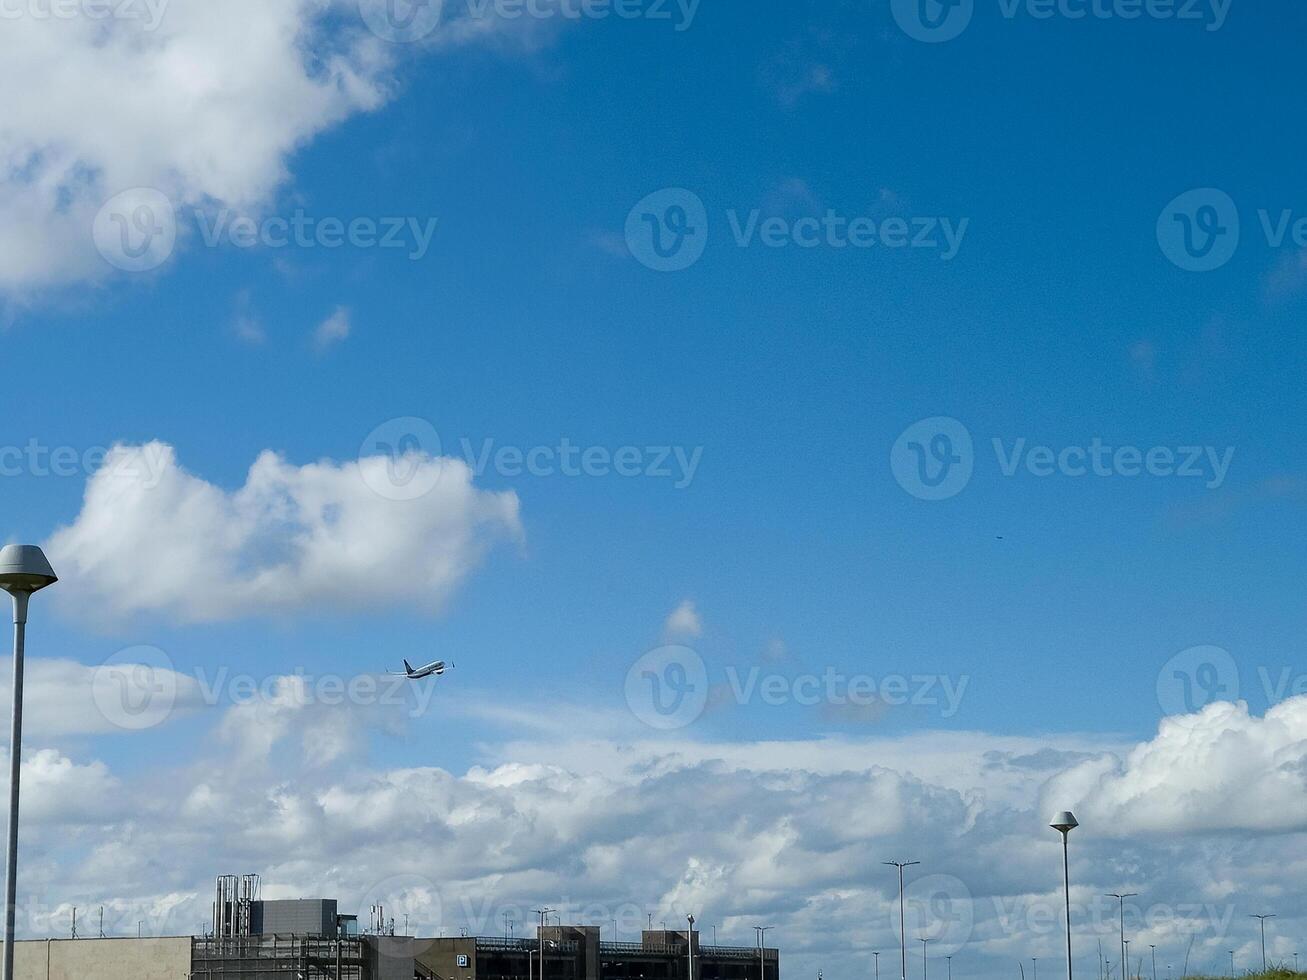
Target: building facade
x=577, y=953
x=309, y=939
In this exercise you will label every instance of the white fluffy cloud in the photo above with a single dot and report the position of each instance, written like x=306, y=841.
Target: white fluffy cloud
x=332, y=330
x=790, y=832
x=683, y=621
x=1222, y=769
x=152, y=537
x=182, y=105
x=201, y=101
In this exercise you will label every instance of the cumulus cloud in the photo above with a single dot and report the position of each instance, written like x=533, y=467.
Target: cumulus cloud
x=791, y=832
x=683, y=621
x=1221, y=769
x=203, y=102
x=376, y=532
x=332, y=330
x=180, y=108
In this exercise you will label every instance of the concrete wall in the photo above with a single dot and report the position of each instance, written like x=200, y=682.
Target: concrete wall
x=440, y=957
x=102, y=959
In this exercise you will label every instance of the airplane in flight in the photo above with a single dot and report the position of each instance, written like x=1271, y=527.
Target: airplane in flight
x=417, y=673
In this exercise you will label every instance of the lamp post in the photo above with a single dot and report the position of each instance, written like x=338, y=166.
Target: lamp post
x=903, y=936
x=1231, y=962
x=1064, y=823
x=949, y=960
x=23, y=570
x=875, y=958
x=761, y=932
x=1125, y=953
x=924, y=958
x=540, y=937
x=1127, y=961
x=1263, y=919
x=1154, y=949
x=689, y=942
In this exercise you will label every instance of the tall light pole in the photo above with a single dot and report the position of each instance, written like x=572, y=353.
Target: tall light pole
x=1125, y=955
x=875, y=958
x=1127, y=961
x=540, y=937
x=949, y=960
x=1231, y=962
x=689, y=943
x=761, y=932
x=1064, y=823
x=1034, y=965
x=23, y=570
x=1263, y=919
x=1154, y=949
x=924, y=958
x=903, y=936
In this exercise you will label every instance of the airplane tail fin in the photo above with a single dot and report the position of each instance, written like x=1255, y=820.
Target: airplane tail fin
x=408, y=666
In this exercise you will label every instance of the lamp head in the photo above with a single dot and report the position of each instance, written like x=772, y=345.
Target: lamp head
x=1065, y=822
x=24, y=569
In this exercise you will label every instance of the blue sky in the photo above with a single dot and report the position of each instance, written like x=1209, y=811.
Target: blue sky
x=789, y=371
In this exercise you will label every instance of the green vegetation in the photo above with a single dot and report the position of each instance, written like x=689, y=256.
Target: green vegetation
x=1274, y=973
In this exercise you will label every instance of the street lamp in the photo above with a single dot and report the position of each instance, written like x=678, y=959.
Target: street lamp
x=689, y=942
x=23, y=570
x=1125, y=952
x=1064, y=823
x=949, y=960
x=540, y=938
x=1231, y=962
x=1154, y=949
x=903, y=936
x=1263, y=918
x=876, y=959
x=761, y=932
x=924, y=940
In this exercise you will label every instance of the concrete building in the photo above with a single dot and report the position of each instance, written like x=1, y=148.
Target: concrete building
x=308, y=939
x=576, y=953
